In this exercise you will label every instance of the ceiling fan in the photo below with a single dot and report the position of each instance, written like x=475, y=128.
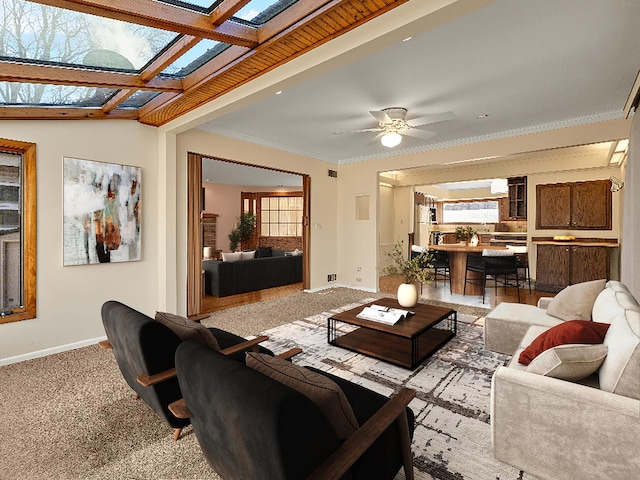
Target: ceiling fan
x=392, y=124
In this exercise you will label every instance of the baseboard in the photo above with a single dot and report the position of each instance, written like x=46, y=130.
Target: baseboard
x=50, y=351
x=327, y=287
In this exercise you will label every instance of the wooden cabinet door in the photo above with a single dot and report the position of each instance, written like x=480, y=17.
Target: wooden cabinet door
x=553, y=209
x=552, y=267
x=591, y=205
x=589, y=263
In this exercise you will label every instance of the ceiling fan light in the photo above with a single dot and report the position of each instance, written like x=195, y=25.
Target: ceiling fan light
x=391, y=139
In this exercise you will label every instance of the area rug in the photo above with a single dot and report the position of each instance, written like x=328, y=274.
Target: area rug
x=452, y=436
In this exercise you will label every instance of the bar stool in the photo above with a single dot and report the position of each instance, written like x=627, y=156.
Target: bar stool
x=522, y=260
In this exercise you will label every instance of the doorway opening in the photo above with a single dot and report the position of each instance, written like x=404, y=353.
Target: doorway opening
x=221, y=192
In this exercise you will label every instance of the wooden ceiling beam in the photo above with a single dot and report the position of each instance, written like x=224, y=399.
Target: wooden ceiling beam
x=64, y=113
x=226, y=10
x=202, y=76
x=289, y=17
x=29, y=73
x=179, y=104
x=169, y=56
x=116, y=100
x=213, y=66
x=162, y=16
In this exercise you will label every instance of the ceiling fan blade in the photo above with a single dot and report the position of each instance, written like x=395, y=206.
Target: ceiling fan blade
x=359, y=131
x=424, y=134
x=381, y=116
x=429, y=119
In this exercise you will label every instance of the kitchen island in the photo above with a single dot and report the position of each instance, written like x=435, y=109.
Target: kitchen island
x=458, y=266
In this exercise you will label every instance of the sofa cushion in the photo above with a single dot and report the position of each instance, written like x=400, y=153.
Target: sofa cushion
x=263, y=252
x=322, y=391
x=575, y=302
x=569, y=362
x=231, y=256
x=620, y=372
x=612, y=302
x=507, y=324
x=248, y=255
x=187, y=329
x=573, y=331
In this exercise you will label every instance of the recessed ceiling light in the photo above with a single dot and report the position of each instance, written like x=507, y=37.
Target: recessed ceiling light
x=278, y=92
x=482, y=115
x=407, y=39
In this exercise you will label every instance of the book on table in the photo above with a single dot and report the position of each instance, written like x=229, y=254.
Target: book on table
x=378, y=313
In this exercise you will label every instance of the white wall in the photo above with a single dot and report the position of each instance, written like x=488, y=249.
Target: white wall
x=69, y=298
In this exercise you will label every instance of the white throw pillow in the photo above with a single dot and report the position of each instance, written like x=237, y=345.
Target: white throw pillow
x=491, y=252
x=570, y=362
x=248, y=255
x=575, y=302
x=231, y=257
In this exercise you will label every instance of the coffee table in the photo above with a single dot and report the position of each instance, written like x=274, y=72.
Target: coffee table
x=406, y=343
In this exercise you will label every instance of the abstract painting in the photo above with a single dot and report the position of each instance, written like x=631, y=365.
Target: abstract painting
x=102, y=212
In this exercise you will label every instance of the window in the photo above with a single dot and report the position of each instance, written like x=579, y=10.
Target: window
x=470, y=212
x=281, y=216
x=17, y=230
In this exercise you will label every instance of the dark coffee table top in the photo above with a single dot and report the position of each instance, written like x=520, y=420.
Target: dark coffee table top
x=426, y=316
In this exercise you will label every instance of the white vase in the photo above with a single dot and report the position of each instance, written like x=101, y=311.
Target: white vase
x=407, y=295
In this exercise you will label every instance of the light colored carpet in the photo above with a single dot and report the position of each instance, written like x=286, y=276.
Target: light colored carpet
x=72, y=416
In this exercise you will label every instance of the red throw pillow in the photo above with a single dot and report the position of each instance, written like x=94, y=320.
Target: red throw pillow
x=572, y=331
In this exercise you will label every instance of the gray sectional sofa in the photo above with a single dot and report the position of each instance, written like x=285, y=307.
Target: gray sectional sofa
x=229, y=278
x=560, y=429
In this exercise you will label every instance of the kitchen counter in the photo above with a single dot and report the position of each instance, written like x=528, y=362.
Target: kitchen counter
x=577, y=243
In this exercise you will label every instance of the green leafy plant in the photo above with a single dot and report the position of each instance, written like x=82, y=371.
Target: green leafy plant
x=243, y=230
x=412, y=269
x=464, y=233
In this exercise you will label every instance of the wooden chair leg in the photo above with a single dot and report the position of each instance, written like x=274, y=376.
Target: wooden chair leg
x=176, y=433
x=405, y=445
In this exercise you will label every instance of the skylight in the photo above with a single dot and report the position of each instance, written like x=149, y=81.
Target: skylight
x=260, y=11
x=104, y=59
x=64, y=37
x=197, y=56
x=53, y=95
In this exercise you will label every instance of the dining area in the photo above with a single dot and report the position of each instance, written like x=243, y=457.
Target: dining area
x=470, y=269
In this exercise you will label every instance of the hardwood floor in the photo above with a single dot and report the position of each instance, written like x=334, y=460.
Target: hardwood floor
x=388, y=284
x=213, y=304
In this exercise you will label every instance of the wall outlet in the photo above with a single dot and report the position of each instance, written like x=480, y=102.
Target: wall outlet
x=332, y=277
x=358, y=279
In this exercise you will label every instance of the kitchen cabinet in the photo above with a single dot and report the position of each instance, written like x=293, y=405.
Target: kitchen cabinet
x=559, y=265
x=574, y=206
x=517, y=208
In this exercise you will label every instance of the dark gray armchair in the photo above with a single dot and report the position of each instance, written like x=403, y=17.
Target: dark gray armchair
x=251, y=426
x=144, y=350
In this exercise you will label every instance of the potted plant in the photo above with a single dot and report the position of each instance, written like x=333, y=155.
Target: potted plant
x=243, y=230
x=413, y=270
x=464, y=234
